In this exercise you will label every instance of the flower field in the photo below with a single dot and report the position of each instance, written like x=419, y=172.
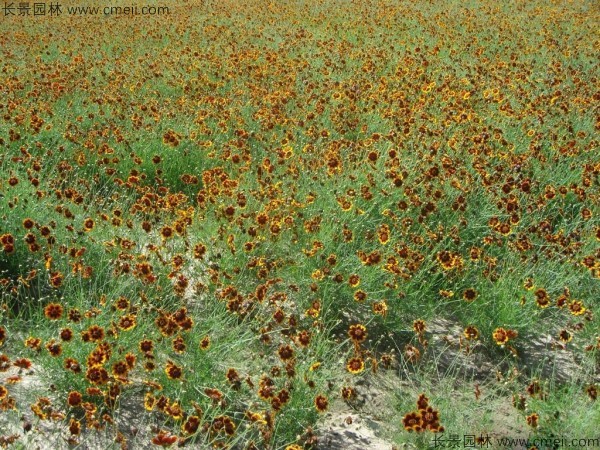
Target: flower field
x=239, y=224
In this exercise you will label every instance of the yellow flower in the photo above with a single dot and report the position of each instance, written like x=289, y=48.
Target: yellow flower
x=355, y=365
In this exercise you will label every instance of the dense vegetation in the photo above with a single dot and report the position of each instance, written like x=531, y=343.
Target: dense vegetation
x=224, y=220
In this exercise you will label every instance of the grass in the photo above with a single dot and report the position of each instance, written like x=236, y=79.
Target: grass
x=197, y=209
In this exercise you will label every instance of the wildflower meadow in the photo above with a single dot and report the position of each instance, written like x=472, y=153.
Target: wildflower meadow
x=287, y=225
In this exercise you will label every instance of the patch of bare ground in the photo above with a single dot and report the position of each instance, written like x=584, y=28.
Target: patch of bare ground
x=450, y=353
x=131, y=421
x=349, y=431
x=365, y=422
x=547, y=357
x=369, y=421
x=539, y=355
